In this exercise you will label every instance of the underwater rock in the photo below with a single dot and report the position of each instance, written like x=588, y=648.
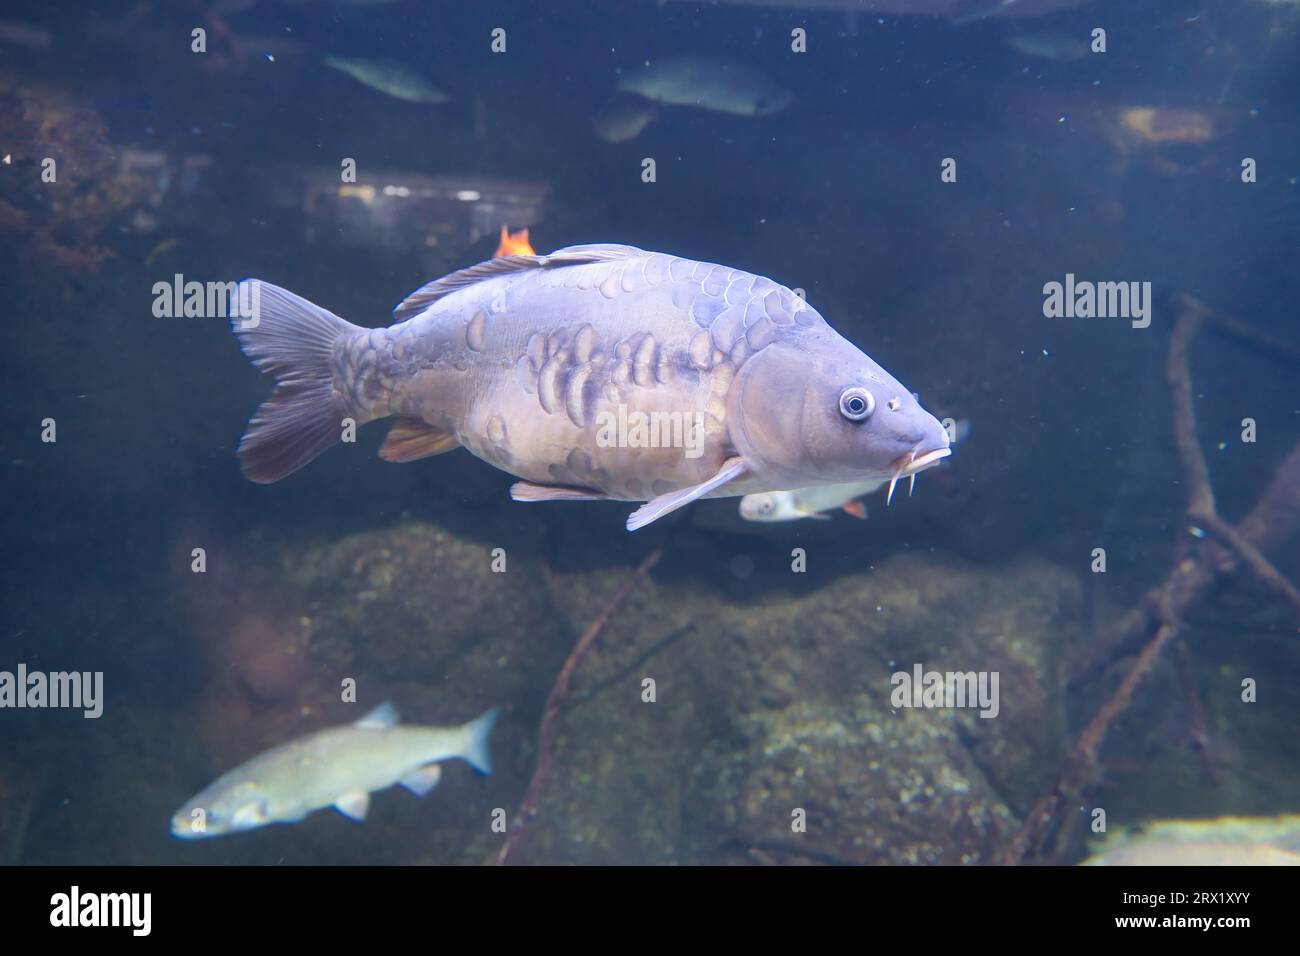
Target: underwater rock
x=765, y=710
x=415, y=602
x=770, y=701
x=61, y=221
x=264, y=658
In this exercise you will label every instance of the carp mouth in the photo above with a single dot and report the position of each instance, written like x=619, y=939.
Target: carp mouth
x=912, y=464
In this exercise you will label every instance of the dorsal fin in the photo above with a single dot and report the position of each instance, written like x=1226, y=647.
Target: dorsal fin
x=385, y=715
x=426, y=295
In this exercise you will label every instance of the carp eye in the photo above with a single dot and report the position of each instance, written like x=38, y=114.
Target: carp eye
x=856, y=403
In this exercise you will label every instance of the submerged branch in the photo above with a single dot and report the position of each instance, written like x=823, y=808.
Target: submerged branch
x=1274, y=517
x=555, y=701
x=1258, y=338
x=1178, y=373
x=1252, y=558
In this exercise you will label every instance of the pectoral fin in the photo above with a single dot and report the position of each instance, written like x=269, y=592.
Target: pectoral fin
x=527, y=491
x=248, y=816
x=411, y=438
x=423, y=779
x=658, y=507
x=353, y=805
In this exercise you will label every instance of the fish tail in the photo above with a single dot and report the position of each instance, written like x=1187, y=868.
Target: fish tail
x=297, y=343
x=477, y=732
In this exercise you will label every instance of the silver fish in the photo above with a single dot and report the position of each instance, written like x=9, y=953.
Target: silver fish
x=706, y=82
x=389, y=77
x=1050, y=46
x=336, y=767
x=595, y=372
x=805, y=502
x=1154, y=853
x=1223, y=841
x=25, y=34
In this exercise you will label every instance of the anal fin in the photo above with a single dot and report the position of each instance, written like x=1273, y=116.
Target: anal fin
x=422, y=779
x=353, y=805
x=412, y=438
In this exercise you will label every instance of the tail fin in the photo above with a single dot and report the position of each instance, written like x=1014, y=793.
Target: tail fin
x=477, y=731
x=294, y=341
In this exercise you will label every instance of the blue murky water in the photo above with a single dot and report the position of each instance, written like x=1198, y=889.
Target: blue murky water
x=933, y=184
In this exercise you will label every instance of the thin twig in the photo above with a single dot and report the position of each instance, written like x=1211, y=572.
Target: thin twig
x=761, y=851
x=1178, y=372
x=1197, y=734
x=555, y=701
x=1251, y=557
x=1273, y=518
x=1082, y=762
x=1258, y=338
x=618, y=675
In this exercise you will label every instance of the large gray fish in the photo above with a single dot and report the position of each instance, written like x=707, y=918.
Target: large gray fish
x=336, y=767
x=595, y=372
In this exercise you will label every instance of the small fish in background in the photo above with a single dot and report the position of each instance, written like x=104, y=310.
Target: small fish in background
x=1223, y=841
x=808, y=502
x=1172, y=140
x=27, y=35
x=957, y=12
x=706, y=82
x=1160, y=126
x=338, y=767
x=625, y=120
x=166, y=247
x=1056, y=47
x=390, y=78
x=962, y=12
x=972, y=11
x=231, y=7
x=513, y=244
